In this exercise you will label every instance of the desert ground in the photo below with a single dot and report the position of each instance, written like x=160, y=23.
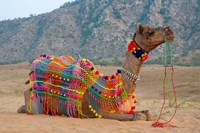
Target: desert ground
x=149, y=96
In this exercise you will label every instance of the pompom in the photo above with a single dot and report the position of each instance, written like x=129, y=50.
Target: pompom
x=133, y=107
x=92, y=68
x=97, y=72
x=119, y=71
x=106, y=77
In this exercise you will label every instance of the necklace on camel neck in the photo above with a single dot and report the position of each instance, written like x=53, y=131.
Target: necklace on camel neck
x=140, y=54
x=137, y=51
x=130, y=76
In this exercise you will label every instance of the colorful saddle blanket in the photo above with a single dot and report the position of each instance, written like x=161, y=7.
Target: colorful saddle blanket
x=58, y=82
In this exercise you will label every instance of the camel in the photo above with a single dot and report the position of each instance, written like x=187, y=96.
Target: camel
x=75, y=88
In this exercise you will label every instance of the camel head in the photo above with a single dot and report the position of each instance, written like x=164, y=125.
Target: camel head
x=149, y=37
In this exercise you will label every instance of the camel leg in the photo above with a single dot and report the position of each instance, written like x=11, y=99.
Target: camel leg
x=147, y=114
x=23, y=108
x=139, y=115
x=125, y=117
x=29, y=107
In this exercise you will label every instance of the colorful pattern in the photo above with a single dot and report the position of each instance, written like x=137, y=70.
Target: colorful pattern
x=61, y=82
x=137, y=51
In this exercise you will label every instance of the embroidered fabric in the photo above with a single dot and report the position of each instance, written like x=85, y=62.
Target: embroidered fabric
x=56, y=85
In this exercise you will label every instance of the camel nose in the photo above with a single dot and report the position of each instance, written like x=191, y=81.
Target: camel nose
x=168, y=30
x=169, y=33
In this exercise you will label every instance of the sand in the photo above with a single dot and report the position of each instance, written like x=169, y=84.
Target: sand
x=149, y=95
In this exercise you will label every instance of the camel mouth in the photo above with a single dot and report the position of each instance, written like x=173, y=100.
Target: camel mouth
x=169, y=34
x=170, y=38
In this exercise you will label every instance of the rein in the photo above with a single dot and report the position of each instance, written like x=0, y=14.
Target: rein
x=166, y=124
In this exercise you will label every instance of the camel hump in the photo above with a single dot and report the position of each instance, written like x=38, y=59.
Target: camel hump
x=64, y=60
x=67, y=59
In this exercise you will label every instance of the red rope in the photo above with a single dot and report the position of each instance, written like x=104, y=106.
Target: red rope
x=166, y=124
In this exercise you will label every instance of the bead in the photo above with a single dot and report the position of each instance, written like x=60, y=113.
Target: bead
x=89, y=106
x=100, y=116
x=96, y=114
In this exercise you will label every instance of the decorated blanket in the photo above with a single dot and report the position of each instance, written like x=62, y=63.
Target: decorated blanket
x=58, y=82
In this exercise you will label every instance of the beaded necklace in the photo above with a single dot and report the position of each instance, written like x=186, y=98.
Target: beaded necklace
x=137, y=51
x=130, y=76
x=57, y=82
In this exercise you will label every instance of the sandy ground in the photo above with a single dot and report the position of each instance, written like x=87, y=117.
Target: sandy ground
x=149, y=95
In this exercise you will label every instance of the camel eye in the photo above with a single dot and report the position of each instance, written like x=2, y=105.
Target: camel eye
x=150, y=32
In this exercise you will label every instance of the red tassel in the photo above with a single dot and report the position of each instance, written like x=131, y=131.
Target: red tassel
x=162, y=125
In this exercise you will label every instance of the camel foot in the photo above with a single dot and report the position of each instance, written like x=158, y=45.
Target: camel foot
x=22, y=109
x=147, y=114
x=139, y=116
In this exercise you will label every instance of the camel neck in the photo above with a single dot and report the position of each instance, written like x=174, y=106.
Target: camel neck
x=133, y=65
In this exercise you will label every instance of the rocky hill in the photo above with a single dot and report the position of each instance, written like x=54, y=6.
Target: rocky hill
x=100, y=30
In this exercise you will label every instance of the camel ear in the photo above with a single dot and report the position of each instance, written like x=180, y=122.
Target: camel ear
x=139, y=28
